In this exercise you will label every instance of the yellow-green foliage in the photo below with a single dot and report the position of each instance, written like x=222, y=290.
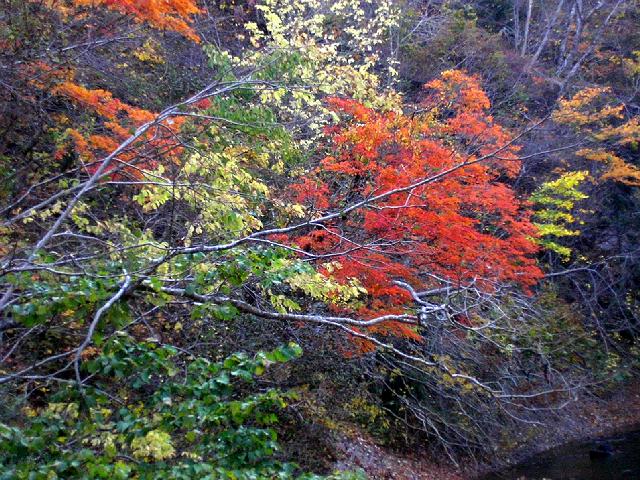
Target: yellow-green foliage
x=300, y=278
x=315, y=48
x=367, y=413
x=148, y=52
x=219, y=186
x=555, y=202
x=322, y=287
x=154, y=445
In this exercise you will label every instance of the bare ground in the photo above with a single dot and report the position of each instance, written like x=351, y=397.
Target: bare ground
x=360, y=451
x=588, y=418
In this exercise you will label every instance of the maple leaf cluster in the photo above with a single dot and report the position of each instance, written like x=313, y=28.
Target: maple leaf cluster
x=116, y=120
x=119, y=120
x=172, y=15
x=438, y=205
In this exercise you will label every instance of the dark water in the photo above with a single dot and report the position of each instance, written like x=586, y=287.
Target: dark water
x=573, y=462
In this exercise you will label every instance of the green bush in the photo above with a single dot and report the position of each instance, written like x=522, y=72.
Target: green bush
x=149, y=413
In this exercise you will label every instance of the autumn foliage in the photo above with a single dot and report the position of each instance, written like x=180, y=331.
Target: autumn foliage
x=119, y=121
x=173, y=15
x=612, y=134
x=184, y=179
x=440, y=208
x=111, y=121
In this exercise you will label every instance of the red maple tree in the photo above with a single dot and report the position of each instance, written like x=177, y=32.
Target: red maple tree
x=436, y=205
x=114, y=120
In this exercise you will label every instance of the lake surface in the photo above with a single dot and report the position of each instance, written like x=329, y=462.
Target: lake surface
x=573, y=462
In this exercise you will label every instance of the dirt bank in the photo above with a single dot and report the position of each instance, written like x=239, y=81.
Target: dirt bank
x=360, y=452
x=589, y=417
